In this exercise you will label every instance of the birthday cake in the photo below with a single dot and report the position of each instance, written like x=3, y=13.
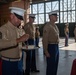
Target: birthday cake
x=28, y=47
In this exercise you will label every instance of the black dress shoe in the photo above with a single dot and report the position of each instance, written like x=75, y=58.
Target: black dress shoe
x=35, y=71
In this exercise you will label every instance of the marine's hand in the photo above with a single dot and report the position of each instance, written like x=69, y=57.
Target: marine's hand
x=23, y=38
x=47, y=54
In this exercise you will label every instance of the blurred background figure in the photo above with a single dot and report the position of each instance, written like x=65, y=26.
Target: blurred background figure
x=37, y=36
x=30, y=54
x=75, y=33
x=66, y=32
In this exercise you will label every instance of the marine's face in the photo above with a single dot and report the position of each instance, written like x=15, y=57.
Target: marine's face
x=54, y=18
x=16, y=21
x=31, y=19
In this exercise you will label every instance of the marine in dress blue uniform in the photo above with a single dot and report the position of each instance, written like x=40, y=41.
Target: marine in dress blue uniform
x=50, y=42
x=11, y=42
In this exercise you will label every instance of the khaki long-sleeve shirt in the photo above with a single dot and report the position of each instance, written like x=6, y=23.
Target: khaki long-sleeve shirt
x=50, y=36
x=30, y=29
x=8, y=45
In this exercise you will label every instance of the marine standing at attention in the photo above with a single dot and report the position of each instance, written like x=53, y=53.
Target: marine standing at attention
x=66, y=32
x=50, y=44
x=30, y=55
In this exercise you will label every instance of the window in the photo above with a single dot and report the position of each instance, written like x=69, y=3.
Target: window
x=55, y=5
x=61, y=5
x=61, y=17
x=65, y=17
x=47, y=18
x=73, y=4
x=41, y=18
x=48, y=7
x=65, y=5
x=73, y=16
x=41, y=8
x=36, y=19
x=67, y=12
x=69, y=16
x=35, y=9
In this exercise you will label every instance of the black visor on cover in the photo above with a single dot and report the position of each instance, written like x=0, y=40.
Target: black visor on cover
x=18, y=16
x=55, y=14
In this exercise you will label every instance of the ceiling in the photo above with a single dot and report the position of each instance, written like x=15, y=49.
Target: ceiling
x=8, y=1
x=31, y=1
x=35, y=1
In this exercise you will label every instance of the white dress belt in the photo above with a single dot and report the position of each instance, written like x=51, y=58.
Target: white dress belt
x=9, y=59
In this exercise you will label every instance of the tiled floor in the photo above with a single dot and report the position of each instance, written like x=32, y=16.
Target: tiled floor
x=67, y=55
